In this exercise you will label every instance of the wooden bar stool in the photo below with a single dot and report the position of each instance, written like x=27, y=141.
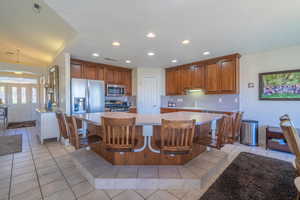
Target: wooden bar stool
x=176, y=137
x=119, y=135
x=221, y=135
x=236, y=128
x=75, y=138
x=292, y=138
x=62, y=124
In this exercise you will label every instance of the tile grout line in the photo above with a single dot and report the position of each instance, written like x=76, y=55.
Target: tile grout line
x=11, y=174
x=62, y=171
x=35, y=169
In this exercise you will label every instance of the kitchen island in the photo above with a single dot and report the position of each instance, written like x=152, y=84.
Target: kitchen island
x=148, y=131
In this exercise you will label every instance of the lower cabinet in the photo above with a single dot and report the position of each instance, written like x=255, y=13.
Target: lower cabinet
x=47, y=125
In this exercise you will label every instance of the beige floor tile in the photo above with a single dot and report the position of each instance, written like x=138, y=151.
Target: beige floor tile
x=54, y=187
x=34, y=194
x=145, y=193
x=23, y=170
x=128, y=194
x=75, y=179
x=95, y=195
x=47, y=170
x=148, y=172
x=62, y=195
x=4, y=192
x=24, y=177
x=168, y=172
x=23, y=187
x=127, y=172
x=162, y=195
x=178, y=193
x=46, y=179
x=113, y=193
x=82, y=189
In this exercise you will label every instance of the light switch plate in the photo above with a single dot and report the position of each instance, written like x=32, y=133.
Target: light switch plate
x=220, y=100
x=180, y=100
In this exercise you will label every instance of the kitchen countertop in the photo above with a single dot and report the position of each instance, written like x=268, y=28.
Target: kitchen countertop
x=204, y=108
x=150, y=119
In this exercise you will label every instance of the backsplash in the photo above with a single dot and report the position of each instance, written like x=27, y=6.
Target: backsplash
x=228, y=101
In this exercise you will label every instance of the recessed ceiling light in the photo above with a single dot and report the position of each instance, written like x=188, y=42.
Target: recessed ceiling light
x=206, y=53
x=116, y=44
x=151, y=35
x=95, y=54
x=185, y=42
x=174, y=61
x=18, y=72
x=151, y=54
x=128, y=61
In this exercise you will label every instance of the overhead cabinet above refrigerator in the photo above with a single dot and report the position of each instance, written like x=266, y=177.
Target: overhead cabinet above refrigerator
x=88, y=96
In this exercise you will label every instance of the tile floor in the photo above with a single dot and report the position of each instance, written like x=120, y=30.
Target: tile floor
x=47, y=172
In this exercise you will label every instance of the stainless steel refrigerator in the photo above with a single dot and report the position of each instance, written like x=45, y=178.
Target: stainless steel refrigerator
x=87, y=96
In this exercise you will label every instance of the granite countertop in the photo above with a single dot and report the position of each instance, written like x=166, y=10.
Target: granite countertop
x=204, y=108
x=150, y=119
x=44, y=110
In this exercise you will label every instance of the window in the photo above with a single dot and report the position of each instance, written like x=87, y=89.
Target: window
x=2, y=94
x=14, y=95
x=23, y=95
x=34, y=96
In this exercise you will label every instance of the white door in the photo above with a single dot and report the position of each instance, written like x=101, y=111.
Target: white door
x=149, y=95
x=21, y=99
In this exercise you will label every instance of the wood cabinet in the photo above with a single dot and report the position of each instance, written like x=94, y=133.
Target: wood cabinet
x=76, y=70
x=90, y=72
x=173, y=82
x=216, y=76
x=211, y=81
x=97, y=71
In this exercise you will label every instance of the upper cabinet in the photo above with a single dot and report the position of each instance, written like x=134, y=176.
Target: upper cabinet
x=215, y=76
x=96, y=71
x=173, y=82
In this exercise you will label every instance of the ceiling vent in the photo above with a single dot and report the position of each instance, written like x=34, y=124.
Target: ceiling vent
x=111, y=59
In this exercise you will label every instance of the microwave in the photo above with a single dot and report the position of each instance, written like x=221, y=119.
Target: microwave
x=115, y=90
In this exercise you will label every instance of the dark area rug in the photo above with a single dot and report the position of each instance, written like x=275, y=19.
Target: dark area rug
x=14, y=125
x=10, y=144
x=254, y=177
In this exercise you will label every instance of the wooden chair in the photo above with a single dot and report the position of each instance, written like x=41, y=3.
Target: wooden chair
x=176, y=137
x=292, y=138
x=297, y=184
x=236, y=128
x=62, y=124
x=75, y=138
x=119, y=135
x=221, y=135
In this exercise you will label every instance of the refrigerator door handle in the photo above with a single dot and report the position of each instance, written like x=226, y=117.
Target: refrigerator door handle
x=87, y=95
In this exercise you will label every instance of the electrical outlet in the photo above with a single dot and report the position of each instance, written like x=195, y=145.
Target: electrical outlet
x=220, y=100
x=180, y=100
x=236, y=100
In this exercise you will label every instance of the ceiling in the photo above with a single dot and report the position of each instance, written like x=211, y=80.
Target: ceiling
x=221, y=27
x=31, y=38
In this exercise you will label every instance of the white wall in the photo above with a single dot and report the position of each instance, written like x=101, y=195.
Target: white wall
x=267, y=112
x=63, y=60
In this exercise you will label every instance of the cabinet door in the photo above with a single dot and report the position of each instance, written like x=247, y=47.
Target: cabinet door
x=90, y=72
x=127, y=82
x=171, y=86
x=186, y=78
x=197, y=77
x=76, y=70
x=227, y=73
x=100, y=72
x=212, y=78
x=109, y=76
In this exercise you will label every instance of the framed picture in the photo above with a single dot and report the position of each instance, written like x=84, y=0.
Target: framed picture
x=280, y=85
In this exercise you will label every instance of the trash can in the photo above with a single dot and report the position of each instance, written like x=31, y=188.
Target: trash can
x=249, y=132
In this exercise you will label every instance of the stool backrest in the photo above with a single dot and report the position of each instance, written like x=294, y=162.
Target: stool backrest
x=292, y=137
x=74, y=137
x=62, y=124
x=177, y=136
x=119, y=134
